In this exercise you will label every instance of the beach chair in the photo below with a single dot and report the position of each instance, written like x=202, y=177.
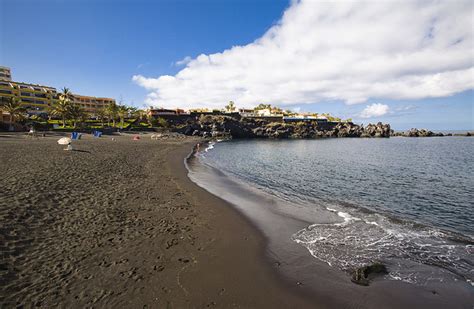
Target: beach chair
x=97, y=133
x=75, y=135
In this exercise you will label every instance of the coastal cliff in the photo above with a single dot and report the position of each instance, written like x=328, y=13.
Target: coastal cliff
x=216, y=126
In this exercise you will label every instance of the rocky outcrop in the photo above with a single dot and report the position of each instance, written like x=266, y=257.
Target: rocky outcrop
x=224, y=126
x=377, y=130
x=362, y=275
x=417, y=133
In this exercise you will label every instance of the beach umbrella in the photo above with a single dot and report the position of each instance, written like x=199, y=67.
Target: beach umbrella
x=64, y=141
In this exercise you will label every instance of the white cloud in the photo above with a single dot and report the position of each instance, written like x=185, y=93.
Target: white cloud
x=184, y=61
x=334, y=50
x=374, y=110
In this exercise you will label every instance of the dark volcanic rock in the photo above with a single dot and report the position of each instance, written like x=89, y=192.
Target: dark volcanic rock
x=362, y=275
x=225, y=126
x=377, y=130
x=417, y=133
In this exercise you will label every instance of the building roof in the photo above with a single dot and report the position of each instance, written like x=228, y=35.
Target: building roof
x=31, y=85
x=91, y=97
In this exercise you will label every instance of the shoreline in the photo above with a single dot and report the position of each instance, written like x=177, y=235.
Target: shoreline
x=117, y=223
x=316, y=277
x=292, y=289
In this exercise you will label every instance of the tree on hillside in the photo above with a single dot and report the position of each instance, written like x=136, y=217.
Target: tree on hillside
x=272, y=109
x=263, y=106
x=230, y=107
x=13, y=107
x=331, y=118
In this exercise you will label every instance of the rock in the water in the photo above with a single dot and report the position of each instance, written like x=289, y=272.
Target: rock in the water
x=361, y=274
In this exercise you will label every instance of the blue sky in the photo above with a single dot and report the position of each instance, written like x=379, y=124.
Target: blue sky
x=97, y=47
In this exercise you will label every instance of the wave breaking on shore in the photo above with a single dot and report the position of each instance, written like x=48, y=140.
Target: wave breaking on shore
x=413, y=253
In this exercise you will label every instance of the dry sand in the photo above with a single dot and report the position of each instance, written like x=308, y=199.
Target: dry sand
x=118, y=224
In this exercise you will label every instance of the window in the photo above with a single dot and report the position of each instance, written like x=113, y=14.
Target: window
x=40, y=102
x=40, y=95
x=26, y=94
x=27, y=100
x=6, y=91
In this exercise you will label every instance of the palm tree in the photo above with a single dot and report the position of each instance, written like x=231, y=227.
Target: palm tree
x=230, y=107
x=141, y=115
x=101, y=113
x=61, y=108
x=3, y=101
x=111, y=112
x=76, y=113
x=66, y=94
x=122, y=112
x=149, y=119
x=14, y=109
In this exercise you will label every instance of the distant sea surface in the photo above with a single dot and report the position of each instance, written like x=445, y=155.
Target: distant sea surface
x=408, y=202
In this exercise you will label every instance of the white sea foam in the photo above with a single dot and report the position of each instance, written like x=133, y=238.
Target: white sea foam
x=371, y=222
x=347, y=217
x=210, y=146
x=356, y=242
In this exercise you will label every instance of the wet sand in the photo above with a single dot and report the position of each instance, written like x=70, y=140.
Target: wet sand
x=119, y=224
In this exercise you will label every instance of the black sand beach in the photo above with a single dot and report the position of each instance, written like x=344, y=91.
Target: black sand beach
x=117, y=223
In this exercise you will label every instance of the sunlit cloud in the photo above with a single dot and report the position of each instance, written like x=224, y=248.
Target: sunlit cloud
x=374, y=110
x=184, y=61
x=333, y=50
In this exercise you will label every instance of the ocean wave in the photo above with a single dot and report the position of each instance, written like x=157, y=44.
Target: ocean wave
x=413, y=253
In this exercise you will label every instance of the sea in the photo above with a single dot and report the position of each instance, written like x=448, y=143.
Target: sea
x=405, y=202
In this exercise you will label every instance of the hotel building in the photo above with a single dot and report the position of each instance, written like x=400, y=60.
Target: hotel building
x=91, y=104
x=37, y=98
x=5, y=73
